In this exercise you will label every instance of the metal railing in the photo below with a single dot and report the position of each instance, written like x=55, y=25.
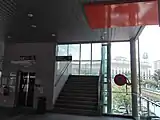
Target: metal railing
x=62, y=72
x=150, y=109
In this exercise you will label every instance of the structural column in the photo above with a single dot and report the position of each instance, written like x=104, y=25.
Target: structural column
x=134, y=82
x=109, y=86
x=139, y=75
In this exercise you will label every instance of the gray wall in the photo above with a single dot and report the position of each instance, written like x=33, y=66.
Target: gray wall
x=44, y=68
x=59, y=80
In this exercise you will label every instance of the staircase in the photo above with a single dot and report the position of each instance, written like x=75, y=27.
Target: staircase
x=79, y=96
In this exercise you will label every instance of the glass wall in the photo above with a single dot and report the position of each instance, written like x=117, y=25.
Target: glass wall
x=149, y=78
x=121, y=95
x=86, y=61
x=86, y=58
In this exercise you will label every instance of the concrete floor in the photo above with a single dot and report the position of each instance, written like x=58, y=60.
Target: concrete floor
x=64, y=117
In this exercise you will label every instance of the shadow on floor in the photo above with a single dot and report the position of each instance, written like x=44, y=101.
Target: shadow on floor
x=67, y=117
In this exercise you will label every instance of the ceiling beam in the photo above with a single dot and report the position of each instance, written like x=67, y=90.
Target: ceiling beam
x=114, y=2
x=100, y=41
x=138, y=33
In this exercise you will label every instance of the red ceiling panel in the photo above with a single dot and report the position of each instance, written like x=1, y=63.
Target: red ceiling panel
x=121, y=15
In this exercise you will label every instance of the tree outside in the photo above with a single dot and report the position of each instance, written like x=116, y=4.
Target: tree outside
x=156, y=78
x=122, y=99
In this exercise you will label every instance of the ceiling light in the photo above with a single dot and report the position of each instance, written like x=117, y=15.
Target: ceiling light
x=33, y=26
x=105, y=32
x=8, y=37
x=53, y=35
x=30, y=15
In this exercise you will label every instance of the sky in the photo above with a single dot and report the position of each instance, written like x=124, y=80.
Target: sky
x=149, y=43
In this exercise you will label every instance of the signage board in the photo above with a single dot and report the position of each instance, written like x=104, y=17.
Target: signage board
x=63, y=58
x=30, y=57
x=120, y=80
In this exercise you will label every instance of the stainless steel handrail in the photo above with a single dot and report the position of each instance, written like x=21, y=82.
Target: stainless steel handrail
x=62, y=72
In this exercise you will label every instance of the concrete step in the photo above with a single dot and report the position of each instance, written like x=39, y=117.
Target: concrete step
x=80, y=91
x=78, y=98
x=78, y=94
x=76, y=111
x=82, y=82
x=85, y=102
x=80, y=87
x=76, y=106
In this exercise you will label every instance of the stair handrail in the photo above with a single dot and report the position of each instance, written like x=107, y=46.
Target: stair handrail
x=100, y=88
x=62, y=72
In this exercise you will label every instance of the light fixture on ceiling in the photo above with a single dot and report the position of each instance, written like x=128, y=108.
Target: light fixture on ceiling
x=105, y=32
x=9, y=37
x=33, y=26
x=30, y=15
x=53, y=35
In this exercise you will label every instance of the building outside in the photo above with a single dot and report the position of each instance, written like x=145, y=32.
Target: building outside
x=119, y=65
x=156, y=65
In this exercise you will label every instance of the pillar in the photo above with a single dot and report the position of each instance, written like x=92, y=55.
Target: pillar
x=134, y=79
x=159, y=12
x=109, y=87
x=139, y=76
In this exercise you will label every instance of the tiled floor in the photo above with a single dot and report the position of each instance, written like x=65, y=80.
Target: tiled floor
x=65, y=117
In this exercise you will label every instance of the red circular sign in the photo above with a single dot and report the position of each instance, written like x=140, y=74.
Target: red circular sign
x=120, y=80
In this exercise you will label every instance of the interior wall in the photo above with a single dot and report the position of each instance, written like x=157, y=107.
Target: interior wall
x=44, y=68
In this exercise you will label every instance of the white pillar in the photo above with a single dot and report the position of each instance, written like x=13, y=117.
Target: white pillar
x=134, y=79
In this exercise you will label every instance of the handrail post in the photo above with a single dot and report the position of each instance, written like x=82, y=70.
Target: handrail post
x=148, y=110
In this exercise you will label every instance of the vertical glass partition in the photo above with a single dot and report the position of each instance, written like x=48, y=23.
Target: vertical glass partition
x=104, y=77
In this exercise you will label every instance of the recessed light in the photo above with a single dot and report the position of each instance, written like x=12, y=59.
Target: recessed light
x=105, y=32
x=30, y=15
x=33, y=26
x=53, y=35
x=8, y=37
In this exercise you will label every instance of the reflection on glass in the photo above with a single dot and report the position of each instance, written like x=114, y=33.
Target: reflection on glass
x=74, y=51
x=85, y=51
x=85, y=68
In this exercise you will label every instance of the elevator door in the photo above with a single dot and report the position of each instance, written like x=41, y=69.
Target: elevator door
x=26, y=89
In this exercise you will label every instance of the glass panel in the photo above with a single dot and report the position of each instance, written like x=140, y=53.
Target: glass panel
x=96, y=51
x=104, y=73
x=121, y=100
x=121, y=97
x=104, y=59
x=85, y=68
x=74, y=51
x=62, y=50
x=75, y=67
x=85, y=51
x=149, y=109
x=104, y=102
x=150, y=71
x=95, y=67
